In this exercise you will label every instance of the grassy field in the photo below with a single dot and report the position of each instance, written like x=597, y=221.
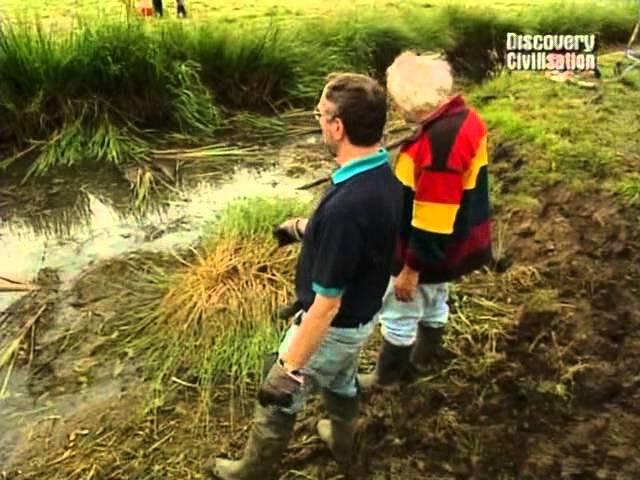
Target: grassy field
x=236, y=10
x=101, y=86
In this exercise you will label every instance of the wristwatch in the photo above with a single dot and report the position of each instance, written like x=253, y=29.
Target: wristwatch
x=296, y=374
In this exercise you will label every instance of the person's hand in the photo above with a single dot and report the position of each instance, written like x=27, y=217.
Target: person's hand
x=279, y=386
x=406, y=284
x=289, y=232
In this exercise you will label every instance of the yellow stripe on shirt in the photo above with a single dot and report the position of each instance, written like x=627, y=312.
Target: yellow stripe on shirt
x=480, y=159
x=404, y=170
x=434, y=217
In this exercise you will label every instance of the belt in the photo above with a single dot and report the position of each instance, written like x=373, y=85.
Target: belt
x=297, y=320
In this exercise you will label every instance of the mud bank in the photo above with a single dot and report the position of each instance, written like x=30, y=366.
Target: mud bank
x=75, y=255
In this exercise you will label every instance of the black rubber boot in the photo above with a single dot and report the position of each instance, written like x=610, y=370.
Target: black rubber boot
x=182, y=11
x=428, y=351
x=157, y=7
x=269, y=437
x=392, y=366
x=338, y=430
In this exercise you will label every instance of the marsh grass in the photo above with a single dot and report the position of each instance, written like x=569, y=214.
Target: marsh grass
x=208, y=324
x=110, y=87
x=629, y=188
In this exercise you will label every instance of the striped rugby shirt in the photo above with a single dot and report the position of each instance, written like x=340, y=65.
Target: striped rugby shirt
x=446, y=227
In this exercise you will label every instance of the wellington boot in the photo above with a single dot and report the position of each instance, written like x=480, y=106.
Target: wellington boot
x=392, y=366
x=268, y=440
x=338, y=430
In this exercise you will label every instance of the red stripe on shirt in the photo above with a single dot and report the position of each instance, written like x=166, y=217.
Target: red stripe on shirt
x=439, y=187
x=479, y=239
x=468, y=139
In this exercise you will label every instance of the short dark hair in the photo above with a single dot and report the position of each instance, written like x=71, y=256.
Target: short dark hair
x=361, y=104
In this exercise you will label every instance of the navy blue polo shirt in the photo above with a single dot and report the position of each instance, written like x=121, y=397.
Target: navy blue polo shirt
x=349, y=241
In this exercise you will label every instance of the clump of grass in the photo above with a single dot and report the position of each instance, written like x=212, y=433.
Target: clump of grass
x=249, y=218
x=213, y=320
x=629, y=188
x=359, y=43
x=477, y=39
x=245, y=68
x=84, y=145
x=216, y=319
x=193, y=107
x=84, y=96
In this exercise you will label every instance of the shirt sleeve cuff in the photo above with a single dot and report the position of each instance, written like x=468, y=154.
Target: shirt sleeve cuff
x=326, y=292
x=412, y=260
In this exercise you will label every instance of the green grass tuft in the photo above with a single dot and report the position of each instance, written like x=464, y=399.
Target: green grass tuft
x=629, y=188
x=212, y=320
x=249, y=217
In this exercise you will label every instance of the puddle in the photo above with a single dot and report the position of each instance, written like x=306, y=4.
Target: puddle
x=76, y=226
x=106, y=232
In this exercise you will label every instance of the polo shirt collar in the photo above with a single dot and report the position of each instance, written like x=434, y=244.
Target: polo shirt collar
x=359, y=165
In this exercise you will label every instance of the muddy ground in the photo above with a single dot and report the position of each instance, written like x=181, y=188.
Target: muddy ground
x=580, y=340
x=553, y=393
x=563, y=401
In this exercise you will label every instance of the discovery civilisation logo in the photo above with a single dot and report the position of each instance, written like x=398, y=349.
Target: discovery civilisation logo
x=553, y=52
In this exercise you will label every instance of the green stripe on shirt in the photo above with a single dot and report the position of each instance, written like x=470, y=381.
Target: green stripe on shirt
x=326, y=292
x=357, y=166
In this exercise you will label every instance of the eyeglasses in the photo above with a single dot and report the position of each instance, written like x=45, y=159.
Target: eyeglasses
x=318, y=115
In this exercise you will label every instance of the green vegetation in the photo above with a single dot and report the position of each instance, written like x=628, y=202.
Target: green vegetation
x=563, y=132
x=213, y=319
x=629, y=188
x=103, y=91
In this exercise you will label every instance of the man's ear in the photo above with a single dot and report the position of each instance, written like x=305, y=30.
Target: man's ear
x=338, y=129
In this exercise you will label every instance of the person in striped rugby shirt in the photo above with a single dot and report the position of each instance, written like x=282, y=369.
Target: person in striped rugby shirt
x=446, y=227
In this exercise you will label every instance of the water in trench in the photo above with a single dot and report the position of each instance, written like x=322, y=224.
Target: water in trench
x=87, y=227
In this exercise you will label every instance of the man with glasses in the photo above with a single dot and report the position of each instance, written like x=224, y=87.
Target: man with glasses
x=341, y=275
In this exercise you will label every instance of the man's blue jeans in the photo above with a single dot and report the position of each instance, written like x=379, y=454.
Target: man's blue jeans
x=334, y=366
x=399, y=320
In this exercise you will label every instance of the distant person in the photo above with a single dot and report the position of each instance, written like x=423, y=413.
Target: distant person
x=180, y=5
x=182, y=11
x=145, y=8
x=445, y=231
x=157, y=7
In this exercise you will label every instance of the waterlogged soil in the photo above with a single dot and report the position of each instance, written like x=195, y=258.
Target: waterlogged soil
x=553, y=393
x=564, y=402
x=75, y=240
